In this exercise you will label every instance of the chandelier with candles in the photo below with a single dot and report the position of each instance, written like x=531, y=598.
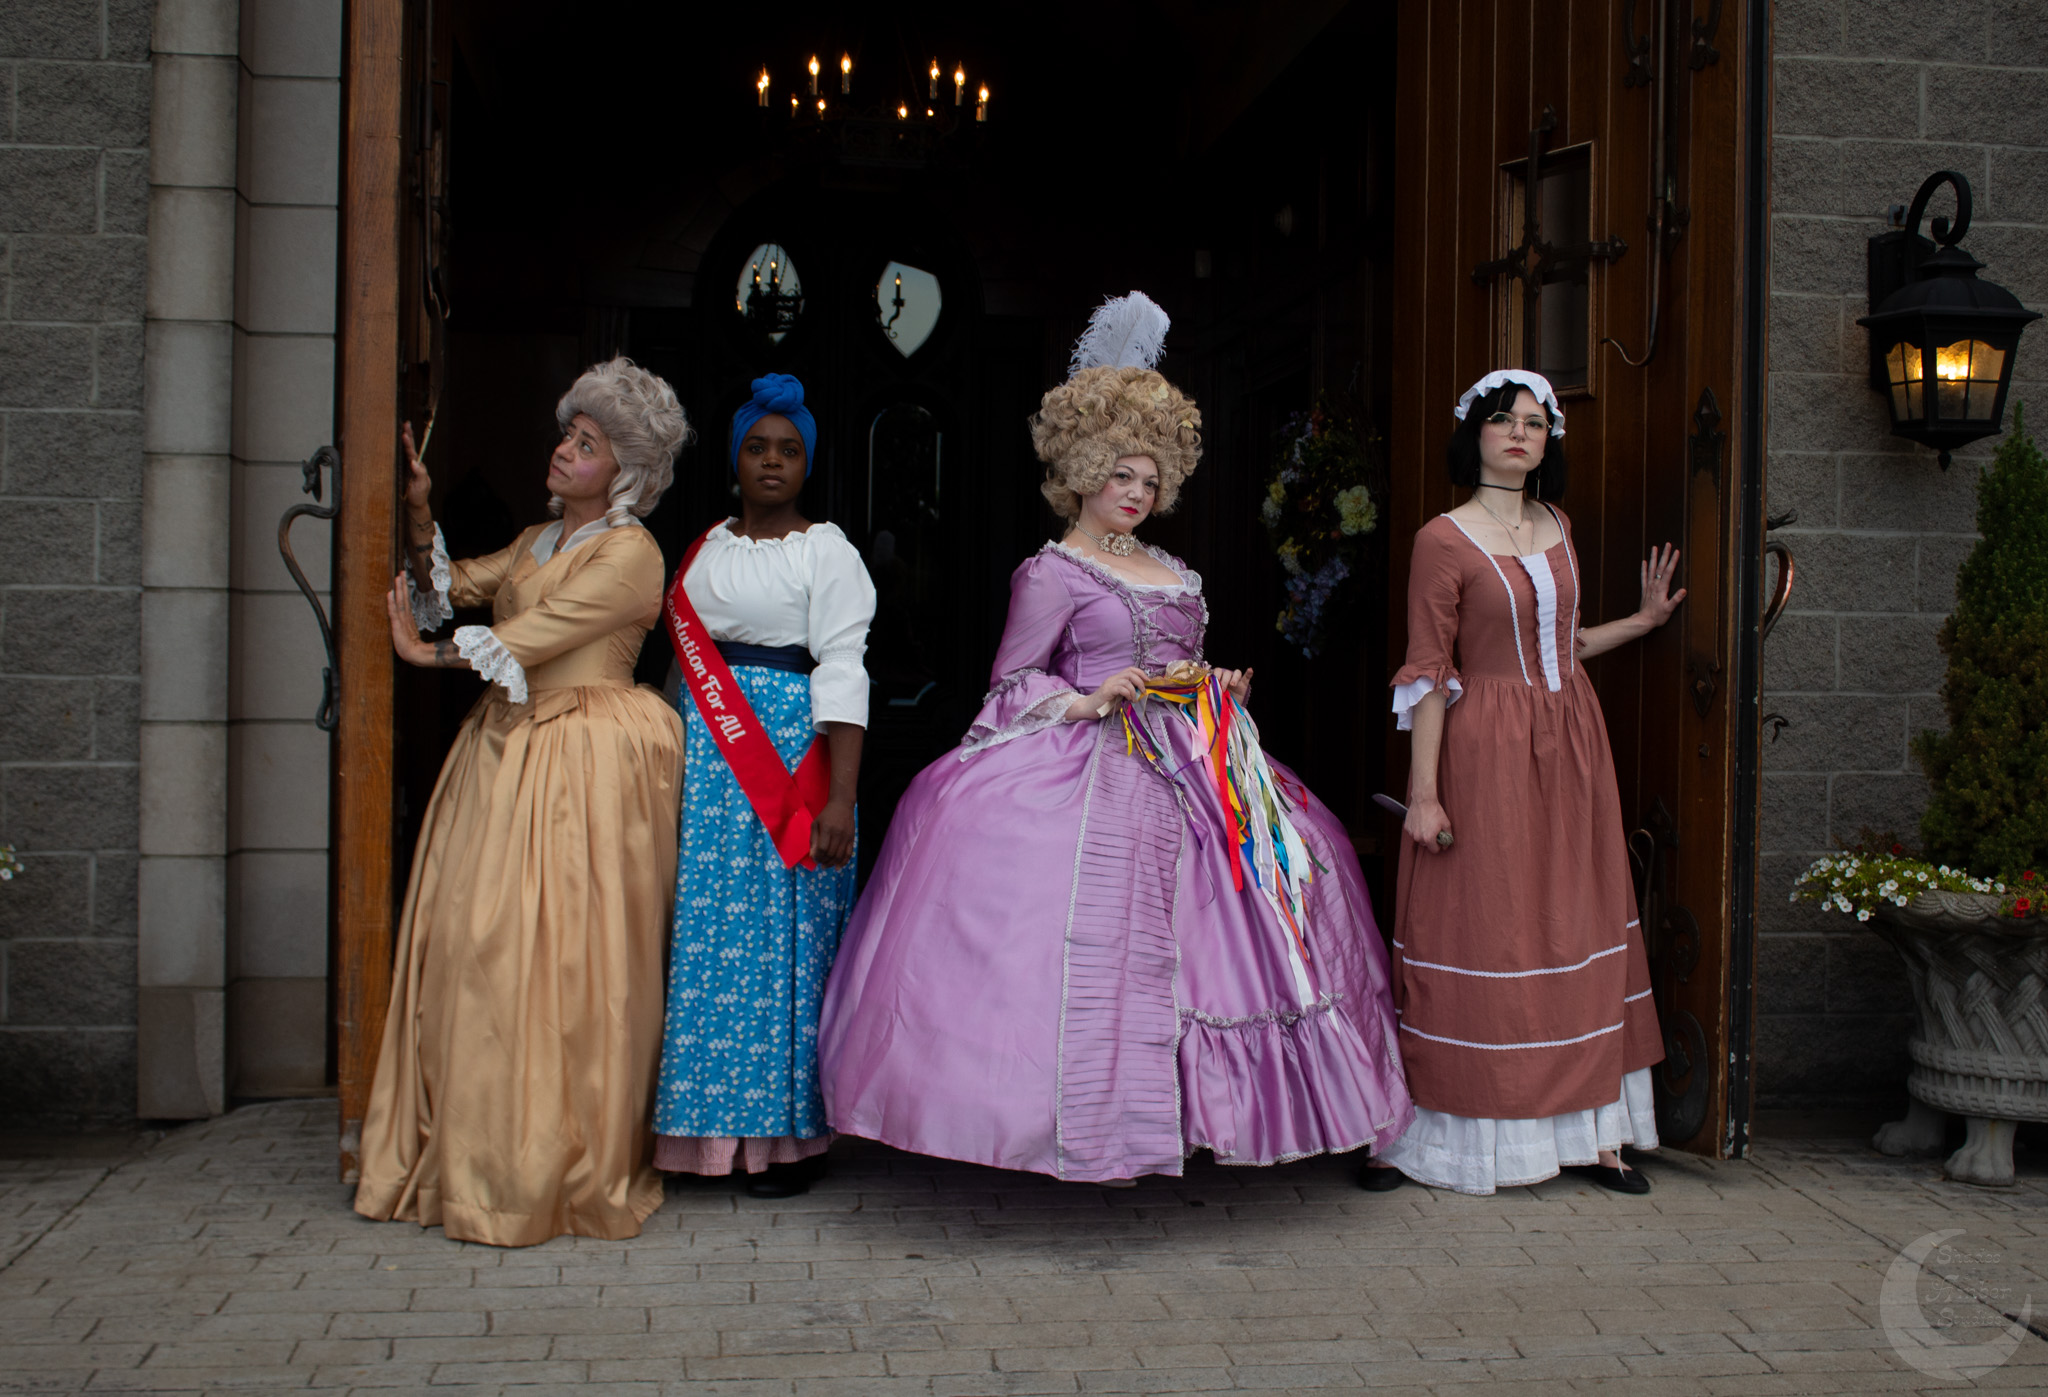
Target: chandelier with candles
x=907, y=127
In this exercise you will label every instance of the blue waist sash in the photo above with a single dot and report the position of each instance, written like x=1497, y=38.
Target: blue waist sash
x=793, y=658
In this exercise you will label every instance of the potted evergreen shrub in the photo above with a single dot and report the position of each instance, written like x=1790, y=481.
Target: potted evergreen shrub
x=1966, y=918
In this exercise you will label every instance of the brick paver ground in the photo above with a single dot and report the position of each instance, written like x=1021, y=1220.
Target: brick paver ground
x=223, y=1257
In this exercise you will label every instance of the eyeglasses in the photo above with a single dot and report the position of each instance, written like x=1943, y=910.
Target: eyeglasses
x=1535, y=426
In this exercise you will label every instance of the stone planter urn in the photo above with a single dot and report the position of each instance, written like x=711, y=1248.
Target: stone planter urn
x=1980, y=1050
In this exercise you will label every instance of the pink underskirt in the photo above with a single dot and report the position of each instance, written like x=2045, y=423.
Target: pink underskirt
x=721, y=1154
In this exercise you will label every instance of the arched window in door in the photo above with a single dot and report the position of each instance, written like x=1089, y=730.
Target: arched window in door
x=907, y=304
x=769, y=294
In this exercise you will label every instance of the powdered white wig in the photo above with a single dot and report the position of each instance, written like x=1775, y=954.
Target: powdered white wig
x=638, y=413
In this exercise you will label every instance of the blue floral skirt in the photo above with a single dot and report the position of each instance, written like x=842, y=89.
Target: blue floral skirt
x=751, y=946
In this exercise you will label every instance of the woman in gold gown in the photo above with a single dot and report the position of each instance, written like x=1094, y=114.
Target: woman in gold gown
x=515, y=1088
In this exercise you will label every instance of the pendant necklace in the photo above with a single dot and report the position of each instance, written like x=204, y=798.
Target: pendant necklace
x=1116, y=545
x=1520, y=552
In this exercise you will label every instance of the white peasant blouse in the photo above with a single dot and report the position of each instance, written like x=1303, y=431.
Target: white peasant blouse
x=809, y=589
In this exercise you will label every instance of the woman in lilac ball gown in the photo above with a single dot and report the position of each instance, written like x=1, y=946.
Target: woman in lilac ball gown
x=1054, y=968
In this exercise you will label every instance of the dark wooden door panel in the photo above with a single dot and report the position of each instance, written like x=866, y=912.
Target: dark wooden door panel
x=1649, y=462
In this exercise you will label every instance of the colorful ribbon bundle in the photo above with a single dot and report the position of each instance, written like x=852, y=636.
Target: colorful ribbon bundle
x=1248, y=795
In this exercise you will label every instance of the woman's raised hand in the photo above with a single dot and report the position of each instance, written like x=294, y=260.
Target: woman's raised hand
x=405, y=636
x=419, y=486
x=1122, y=687
x=1660, y=569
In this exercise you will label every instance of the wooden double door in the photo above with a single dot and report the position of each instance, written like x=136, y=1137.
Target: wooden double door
x=1574, y=192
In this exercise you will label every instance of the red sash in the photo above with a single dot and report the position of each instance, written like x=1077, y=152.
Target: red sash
x=786, y=802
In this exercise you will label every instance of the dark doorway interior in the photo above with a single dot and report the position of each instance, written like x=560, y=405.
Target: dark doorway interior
x=609, y=183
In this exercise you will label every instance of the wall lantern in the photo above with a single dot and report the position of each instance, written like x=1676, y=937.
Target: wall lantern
x=1941, y=341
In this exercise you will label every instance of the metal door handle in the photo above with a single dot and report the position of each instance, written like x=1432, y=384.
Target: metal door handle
x=1782, y=593
x=326, y=719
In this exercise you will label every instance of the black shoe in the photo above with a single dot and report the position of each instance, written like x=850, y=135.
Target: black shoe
x=779, y=1181
x=1622, y=1180
x=1382, y=1178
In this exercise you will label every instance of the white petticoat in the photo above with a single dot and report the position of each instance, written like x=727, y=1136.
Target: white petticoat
x=1478, y=1156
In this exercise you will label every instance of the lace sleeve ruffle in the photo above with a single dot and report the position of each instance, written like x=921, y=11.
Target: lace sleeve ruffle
x=430, y=610
x=488, y=656
x=1408, y=694
x=1027, y=701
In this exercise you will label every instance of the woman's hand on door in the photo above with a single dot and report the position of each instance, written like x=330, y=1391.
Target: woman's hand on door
x=405, y=635
x=1660, y=570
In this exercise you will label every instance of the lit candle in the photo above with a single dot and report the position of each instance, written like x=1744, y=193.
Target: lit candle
x=981, y=107
x=821, y=106
x=845, y=73
x=792, y=104
x=814, y=75
x=902, y=112
x=761, y=86
x=934, y=93
x=959, y=85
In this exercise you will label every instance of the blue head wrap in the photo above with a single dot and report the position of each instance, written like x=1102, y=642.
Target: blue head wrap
x=782, y=395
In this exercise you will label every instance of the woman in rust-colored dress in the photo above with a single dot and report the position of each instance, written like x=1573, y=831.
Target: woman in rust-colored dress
x=1519, y=972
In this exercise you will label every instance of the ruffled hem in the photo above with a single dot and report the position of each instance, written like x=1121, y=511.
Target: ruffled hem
x=1281, y=1086
x=431, y=610
x=1477, y=1156
x=1409, y=692
x=488, y=656
x=718, y=1155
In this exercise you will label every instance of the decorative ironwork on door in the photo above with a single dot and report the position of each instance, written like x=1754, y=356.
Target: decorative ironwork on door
x=1537, y=261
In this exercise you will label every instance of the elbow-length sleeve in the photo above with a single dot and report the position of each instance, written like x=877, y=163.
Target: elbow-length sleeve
x=842, y=607
x=1024, y=696
x=467, y=582
x=1435, y=584
x=617, y=585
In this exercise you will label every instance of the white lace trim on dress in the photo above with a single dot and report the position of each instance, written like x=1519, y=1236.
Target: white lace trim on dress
x=1406, y=696
x=1478, y=1156
x=488, y=656
x=431, y=609
x=1048, y=712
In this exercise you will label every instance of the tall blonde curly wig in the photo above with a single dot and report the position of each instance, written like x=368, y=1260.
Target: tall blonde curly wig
x=640, y=416
x=1100, y=414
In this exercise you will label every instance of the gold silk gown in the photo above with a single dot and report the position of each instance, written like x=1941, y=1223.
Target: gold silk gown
x=514, y=1092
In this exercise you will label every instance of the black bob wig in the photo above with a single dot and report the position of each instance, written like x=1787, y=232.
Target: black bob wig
x=1462, y=454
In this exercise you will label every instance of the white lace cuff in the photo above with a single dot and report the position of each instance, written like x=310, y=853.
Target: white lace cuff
x=1048, y=712
x=431, y=609
x=488, y=656
x=1406, y=696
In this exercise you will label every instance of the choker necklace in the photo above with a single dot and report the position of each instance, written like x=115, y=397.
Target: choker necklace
x=1518, y=489
x=1116, y=545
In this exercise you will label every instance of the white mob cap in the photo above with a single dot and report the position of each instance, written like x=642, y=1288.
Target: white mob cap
x=1536, y=383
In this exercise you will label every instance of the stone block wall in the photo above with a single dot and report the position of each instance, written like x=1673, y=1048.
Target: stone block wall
x=74, y=191
x=1871, y=98
x=287, y=192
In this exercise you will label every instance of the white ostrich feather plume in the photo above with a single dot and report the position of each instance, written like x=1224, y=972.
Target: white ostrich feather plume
x=1126, y=332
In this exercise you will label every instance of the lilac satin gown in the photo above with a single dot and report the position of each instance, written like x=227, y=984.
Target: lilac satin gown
x=1051, y=970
